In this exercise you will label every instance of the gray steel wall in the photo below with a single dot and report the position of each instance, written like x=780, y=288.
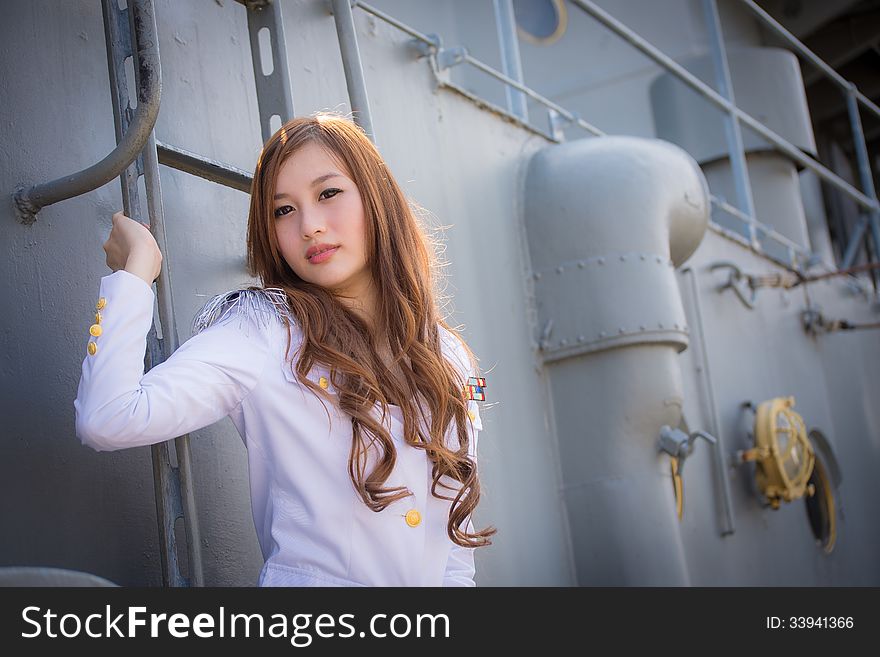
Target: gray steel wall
x=64, y=505
x=757, y=355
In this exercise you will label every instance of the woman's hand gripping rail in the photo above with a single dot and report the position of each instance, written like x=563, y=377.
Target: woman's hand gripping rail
x=119, y=406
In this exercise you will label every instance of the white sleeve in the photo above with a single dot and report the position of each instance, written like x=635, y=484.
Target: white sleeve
x=119, y=406
x=460, y=569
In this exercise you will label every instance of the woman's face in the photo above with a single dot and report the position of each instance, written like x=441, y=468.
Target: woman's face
x=317, y=205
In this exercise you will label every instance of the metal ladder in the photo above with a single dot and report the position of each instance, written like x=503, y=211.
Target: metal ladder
x=132, y=33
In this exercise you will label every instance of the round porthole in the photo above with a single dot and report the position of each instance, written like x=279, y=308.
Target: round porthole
x=821, y=509
x=790, y=464
x=540, y=22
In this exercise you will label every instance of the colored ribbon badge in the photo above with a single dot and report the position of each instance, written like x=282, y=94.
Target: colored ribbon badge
x=474, y=388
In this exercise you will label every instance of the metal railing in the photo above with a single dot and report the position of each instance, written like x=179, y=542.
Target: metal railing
x=796, y=255
x=276, y=102
x=29, y=200
x=174, y=490
x=853, y=98
x=132, y=33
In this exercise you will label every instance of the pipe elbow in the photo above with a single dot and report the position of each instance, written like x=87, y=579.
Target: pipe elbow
x=607, y=220
x=633, y=194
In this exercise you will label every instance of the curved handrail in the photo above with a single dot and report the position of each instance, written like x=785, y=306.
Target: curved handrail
x=29, y=201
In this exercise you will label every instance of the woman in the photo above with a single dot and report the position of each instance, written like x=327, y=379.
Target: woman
x=376, y=488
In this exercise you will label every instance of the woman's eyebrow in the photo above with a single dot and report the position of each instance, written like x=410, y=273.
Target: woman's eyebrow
x=316, y=181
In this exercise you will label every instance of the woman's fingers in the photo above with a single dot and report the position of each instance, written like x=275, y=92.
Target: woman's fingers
x=128, y=236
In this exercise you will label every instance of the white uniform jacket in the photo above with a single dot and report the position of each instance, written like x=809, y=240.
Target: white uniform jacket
x=313, y=528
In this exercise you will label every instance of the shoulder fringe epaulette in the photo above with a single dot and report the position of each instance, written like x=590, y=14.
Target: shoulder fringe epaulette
x=262, y=305
x=455, y=349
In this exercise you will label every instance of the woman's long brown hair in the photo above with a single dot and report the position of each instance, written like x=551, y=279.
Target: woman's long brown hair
x=402, y=262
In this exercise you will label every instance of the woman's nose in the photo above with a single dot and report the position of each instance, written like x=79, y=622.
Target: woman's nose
x=311, y=223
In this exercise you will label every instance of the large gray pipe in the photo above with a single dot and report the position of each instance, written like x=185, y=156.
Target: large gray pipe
x=607, y=220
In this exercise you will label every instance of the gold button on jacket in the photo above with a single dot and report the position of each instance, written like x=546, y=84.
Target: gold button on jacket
x=93, y=348
x=413, y=517
x=101, y=303
x=95, y=330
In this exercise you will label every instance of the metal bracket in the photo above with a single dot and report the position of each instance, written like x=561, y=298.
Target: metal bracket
x=254, y=4
x=677, y=443
x=816, y=323
x=426, y=49
x=449, y=57
x=557, y=122
x=274, y=95
x=735, y=282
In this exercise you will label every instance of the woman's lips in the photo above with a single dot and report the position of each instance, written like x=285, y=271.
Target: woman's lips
x=324, y=255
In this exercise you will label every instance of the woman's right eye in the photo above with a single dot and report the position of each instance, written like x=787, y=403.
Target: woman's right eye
x=278, y=211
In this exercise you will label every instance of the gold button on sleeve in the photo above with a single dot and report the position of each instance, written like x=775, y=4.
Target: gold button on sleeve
x=101, y=303
x=95, y=330
x=413, y=517
x=98, y=318
x=92, y=348
x=472, y=415
x=323, y=382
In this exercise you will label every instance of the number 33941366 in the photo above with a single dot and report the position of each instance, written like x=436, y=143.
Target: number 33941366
x=807, y=622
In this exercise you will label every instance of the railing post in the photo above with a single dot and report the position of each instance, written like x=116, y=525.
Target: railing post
x=732, y=130
x=855, y=240
x=351, y=63
x=511, y=65
x=172, y=485
x=865, y=177
x=274, y=96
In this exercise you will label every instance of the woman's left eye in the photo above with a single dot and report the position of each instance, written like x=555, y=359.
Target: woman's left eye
x=279, y=213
